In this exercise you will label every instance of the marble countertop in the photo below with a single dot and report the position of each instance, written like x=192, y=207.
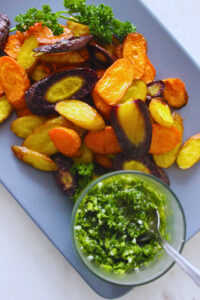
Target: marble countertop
x=30, y=266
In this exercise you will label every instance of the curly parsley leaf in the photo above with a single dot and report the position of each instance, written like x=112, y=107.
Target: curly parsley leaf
x=121, y=29
x=84, y=172
x=45, y=16
x=99, y=19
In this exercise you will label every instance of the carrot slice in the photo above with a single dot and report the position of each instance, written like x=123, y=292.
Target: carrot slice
x=135, y=48
x=13, y=46
x=40, y=72
x=103, y=160
x=23, y=112
x=115, y=81
x=175, y=93
x=14, y=81
x=149, y=72
x=164, y=139
x=1, y=89
x=66, y=140
x=102, y=106
x=78, y=29
x=100, y=73
x=44, y=35
x=189, y=153
x=103, y=141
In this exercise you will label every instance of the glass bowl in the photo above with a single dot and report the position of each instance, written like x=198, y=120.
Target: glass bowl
x=176, y=229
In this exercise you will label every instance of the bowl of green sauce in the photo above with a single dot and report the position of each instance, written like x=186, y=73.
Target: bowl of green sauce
x=111, y=215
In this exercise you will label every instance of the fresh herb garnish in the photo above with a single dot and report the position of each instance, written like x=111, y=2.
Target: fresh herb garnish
x=84, y=173
x=99, y=19
x=44, y=16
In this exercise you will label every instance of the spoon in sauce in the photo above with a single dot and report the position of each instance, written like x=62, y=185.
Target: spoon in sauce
x=154, y=225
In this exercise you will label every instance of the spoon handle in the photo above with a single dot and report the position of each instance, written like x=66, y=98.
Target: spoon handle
x=193, y=272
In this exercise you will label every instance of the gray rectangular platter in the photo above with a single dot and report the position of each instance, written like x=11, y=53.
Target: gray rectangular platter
x=37, y=192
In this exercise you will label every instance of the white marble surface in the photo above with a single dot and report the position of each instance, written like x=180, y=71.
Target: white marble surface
x=32, y=269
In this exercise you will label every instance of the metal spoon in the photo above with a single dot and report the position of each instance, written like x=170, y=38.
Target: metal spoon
x=154, y=224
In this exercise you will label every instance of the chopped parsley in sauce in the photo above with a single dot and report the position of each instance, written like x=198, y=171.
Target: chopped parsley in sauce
x=111, y=217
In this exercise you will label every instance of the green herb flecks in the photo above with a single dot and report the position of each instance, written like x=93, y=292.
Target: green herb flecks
x=44, y=16
x=111, y=217
x=84, y=173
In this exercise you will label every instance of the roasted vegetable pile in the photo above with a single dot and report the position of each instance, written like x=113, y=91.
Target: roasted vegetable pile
x=85, y=107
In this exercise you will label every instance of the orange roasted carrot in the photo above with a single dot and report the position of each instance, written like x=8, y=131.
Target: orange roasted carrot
x=103, y=160
x=115, y=81
x=23, y=112
x=66, y=140
x=103, y=141
x=13, y=46
x=175, y=93
x=14, y=80
x=44, y=35
x=164, y=139
x=102, y=106
x=100, y=73
x=135, y=48
x=1, y=89
x=149, y=72
x=22, y=36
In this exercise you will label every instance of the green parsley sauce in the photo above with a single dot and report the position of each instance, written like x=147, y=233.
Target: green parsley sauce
x=110, y=218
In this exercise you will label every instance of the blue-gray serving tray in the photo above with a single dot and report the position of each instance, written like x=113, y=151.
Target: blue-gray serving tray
x=37, y=192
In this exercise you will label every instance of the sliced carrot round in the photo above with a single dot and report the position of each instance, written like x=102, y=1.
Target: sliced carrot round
x=149, y=72
x=44, y=35
x=102, y=106
x=14, y=81
x=13, y=46
x=164, y=139
x=103, y=141
x=103, y=160
x=66, y=140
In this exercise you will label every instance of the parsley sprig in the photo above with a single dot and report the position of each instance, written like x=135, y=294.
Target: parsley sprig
x=84, y=172
x=100, y=20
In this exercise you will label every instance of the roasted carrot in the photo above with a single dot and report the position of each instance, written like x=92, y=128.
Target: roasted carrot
x=66, y=140
x=78, y=29
x=1, y=89
x=175, y=93
x=100, y=73
x=103, y=141
x=14, y=81
x=115, y=81
x=149, y=72
x=13, y=46
x=102, y=106
x=135, y=48
x=23, y=112
x=40, y=72
x=22, y=36
x=44, y=35
x=164, y=139
x=103, y=160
